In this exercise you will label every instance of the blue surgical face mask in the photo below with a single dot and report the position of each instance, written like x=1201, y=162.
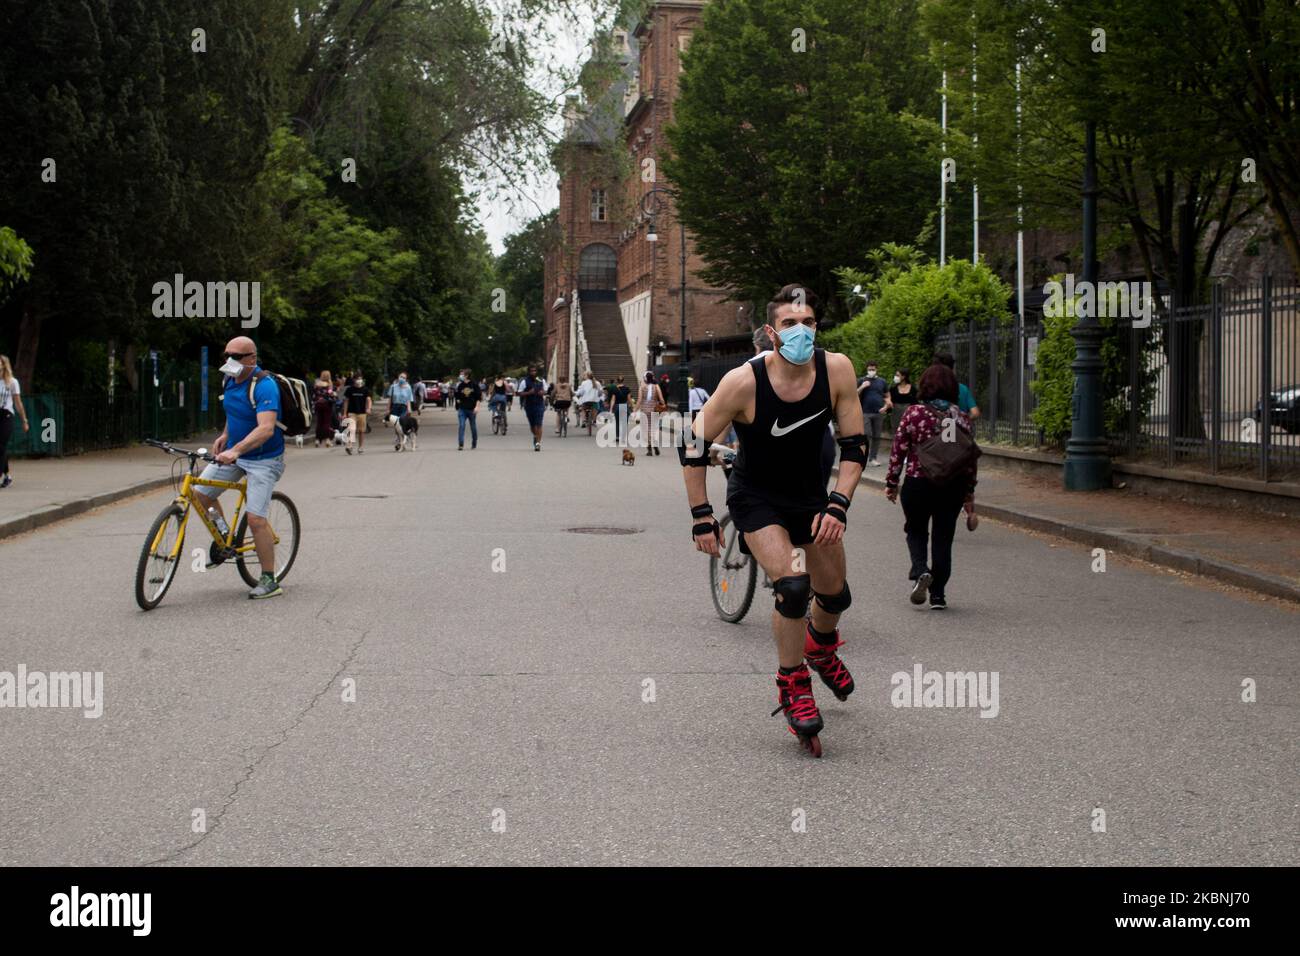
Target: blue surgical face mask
x=797, y=344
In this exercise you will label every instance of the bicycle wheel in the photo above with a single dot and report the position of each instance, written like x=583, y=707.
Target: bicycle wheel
x=157, y=567
x=283, y=515
x=496, y=424
x=732, y=576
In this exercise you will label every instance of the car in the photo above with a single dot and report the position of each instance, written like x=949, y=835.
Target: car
x=1284, y=409
x=433, y=392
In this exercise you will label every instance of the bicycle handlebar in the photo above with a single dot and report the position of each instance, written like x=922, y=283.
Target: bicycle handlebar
x=173, y=450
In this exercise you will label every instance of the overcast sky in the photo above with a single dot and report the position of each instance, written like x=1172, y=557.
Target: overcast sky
x=508, y=214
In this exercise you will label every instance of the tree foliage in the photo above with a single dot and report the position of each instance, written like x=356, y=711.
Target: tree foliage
x=790, y=164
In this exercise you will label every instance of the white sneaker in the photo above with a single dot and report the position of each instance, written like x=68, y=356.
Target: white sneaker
x=919, y=588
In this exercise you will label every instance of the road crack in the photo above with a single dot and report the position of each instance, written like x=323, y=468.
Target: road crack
x=266, y=751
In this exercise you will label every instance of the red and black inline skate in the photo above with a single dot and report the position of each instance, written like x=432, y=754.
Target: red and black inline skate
x=823, y=659
x=794, y=696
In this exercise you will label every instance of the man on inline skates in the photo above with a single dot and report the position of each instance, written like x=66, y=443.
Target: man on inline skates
x=780, y=403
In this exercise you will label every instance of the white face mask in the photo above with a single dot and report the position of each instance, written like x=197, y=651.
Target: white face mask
x=232, y=367
x=360, y=382
x=898, y=380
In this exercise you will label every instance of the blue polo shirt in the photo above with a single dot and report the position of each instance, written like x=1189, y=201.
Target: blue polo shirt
x=241, y=418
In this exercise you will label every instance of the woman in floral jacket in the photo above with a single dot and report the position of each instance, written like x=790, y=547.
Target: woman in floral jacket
x=931, y=509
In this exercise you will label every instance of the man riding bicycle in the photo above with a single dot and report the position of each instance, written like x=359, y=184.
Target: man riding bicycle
x=779, y=403
x=588, y=397
x=251, y=439
x=498, y=397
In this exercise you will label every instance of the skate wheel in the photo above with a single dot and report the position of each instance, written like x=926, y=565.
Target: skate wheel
x=842, y=698
x=811, y=744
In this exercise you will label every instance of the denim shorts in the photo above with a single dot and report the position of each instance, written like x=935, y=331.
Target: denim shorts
x=262, y=474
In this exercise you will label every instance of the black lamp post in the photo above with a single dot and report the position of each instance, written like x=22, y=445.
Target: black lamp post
x=651, y=203
x=1087, y=462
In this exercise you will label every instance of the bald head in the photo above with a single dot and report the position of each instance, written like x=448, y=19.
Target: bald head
x=240, y=343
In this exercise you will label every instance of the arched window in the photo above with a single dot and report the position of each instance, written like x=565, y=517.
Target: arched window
x=598, y=268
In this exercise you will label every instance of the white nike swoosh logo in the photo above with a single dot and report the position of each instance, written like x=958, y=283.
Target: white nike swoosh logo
x=778, y=431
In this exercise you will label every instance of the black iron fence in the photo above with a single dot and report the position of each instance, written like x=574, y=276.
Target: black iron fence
x=169, y=407
x=1212, y=385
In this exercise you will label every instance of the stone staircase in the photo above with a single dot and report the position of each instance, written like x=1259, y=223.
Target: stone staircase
x=602, y=323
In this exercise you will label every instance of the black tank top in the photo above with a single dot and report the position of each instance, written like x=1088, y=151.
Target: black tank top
x=780, y=455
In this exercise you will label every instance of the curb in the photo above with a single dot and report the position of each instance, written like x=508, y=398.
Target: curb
x=1136, y=546
x=52, y=513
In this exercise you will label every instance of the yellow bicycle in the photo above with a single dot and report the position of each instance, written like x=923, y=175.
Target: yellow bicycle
x=163, y=549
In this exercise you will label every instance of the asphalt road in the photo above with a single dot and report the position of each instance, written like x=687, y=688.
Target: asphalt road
x=515, y=697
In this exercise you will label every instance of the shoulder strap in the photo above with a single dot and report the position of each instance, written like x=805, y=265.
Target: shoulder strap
x=252, y=384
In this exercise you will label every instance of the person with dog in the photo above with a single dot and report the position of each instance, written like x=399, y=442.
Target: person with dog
x=620, y=396
x=468, y=398
x=358, y=401
x=650, y=399
x=400, y=397
x=252, y=446
x=780, y=403
x=532, y=392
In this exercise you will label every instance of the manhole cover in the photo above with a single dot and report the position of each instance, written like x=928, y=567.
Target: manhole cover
x=341, y=497
x=605, y=530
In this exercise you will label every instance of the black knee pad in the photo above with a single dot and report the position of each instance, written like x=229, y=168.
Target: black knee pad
x=836, y=603
x=793, y=594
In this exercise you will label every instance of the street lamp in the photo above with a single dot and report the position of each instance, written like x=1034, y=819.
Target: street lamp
x=651, y=203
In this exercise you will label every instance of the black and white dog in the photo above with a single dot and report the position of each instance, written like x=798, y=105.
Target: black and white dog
x=406, y=432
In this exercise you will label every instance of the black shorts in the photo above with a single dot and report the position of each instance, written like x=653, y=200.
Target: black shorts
x=562, y=405
x=751, y=511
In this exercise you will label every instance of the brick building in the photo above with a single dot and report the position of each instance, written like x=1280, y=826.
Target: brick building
x=628, y=308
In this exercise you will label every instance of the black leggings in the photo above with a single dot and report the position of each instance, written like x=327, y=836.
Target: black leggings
x=926, y=504
x=6, y=432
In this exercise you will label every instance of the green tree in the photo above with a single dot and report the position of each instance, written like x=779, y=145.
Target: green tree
x=899, y=328
x=327, y=296
x=790, y=164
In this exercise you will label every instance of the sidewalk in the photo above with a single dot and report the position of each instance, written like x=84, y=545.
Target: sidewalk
x=51, y=489
x=1254, y=551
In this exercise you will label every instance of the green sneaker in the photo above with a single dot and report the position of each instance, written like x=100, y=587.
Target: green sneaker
x=266, y=587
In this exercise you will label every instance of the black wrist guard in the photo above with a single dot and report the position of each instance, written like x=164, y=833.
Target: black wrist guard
x=707, y=527
x=853, y=448
x=836, y=512
x=839, y=499
x=702, y=511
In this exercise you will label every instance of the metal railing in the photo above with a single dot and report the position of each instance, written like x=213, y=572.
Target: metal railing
x=1210, y=385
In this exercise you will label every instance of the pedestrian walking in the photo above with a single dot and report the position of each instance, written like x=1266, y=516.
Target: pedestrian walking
x=358, y=406
x=619, y=397
x=901, y=394
x=400, y=396
x=696, y=397
x=965, y=397
x=322, y=408
x=468, y=397
x=11, y=403
x=532, y=392
x=649, y=405
x=873, y=391
x=941, y=473
x=419, y=395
